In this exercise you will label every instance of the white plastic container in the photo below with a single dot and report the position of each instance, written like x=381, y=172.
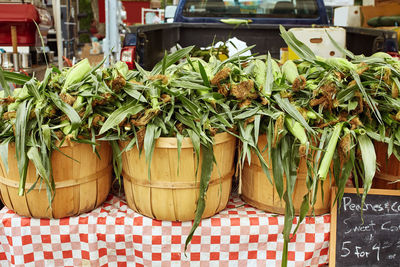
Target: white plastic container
x=318, y=41
x=339, y=2
x=347, y=16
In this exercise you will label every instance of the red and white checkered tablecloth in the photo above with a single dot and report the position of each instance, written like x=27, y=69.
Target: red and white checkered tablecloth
x=114, y=235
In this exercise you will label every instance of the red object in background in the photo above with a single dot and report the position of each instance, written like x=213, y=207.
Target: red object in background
x=128, y=54
x=102, y=11
x=394, y=54
x=22, y=16
x=133, y=11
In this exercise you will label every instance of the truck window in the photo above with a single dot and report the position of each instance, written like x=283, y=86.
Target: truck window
x=248, y=9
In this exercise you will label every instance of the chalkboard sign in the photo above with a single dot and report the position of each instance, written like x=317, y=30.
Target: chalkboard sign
x=376, y=242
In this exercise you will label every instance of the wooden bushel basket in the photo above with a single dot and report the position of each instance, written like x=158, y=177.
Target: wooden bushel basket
x=168, y=195
x=257, y=190
x=389, y=168
x=82, y=183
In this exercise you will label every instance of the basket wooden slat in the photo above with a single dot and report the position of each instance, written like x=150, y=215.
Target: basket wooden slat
x=257, y=191
x=168, y=195
x=82, y=183
x=388, y=171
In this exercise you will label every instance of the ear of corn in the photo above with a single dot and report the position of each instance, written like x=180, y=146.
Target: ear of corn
x=296, y=129
x=330, y=150
x=341, y=64
x=76, y=73
x=122, y=68
x=260, y=73
x=236, y=21
x=289, y=70
x=248, y=97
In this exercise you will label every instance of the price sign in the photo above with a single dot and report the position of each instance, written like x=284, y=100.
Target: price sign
x=373, y=241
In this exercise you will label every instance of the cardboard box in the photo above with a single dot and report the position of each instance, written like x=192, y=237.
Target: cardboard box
x=318, y=41
x=368, y=12
x=368, y=2
x=347, y=16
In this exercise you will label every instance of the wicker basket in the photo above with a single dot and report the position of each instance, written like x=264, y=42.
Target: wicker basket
x=168, y=195
x=82, y=183
x=389, y=169
x=257, y=190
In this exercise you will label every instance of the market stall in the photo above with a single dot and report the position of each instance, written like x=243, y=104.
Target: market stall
x=175, y=136
x=112, y=234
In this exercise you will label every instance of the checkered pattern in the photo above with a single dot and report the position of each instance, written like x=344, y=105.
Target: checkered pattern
x=114, y=235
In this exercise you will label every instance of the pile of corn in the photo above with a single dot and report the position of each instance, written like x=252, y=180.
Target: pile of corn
x=328, y=111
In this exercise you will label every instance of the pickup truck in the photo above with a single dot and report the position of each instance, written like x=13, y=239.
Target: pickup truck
x=199, y=24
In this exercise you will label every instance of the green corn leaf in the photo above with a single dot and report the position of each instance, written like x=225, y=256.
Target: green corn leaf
x=149, y=144
x=33, y=89
x=369, y=162
x=131, y=89
x=33, y=186
x=257, y=121
x=93, y=140
x=171, y=59
x=190, y=62
x=96, y=67
x=160, y=123
x=189, y=85
x=14, y=77
x=347, y=169
x=46, y=79
x=390, y=146
x=21, y=130
x=204, y=75
x=117, y=160
x=4, y=84
x=246, y=138
x=206, y=169
x=290, y=164
x=298, y=47
x=142, y=71
x=34, y=155
x=316, y=163
x=223, y=120
x=269, y=81
x=68, y=110
x=190, y=106
x=46, y=135
x=277, y=170
x=304, y=208
x=187, y=121
x=120, y=114
x=247, y=114
x=292, y=111
x=196, y=145
x=164, y=63
x=287, y=227
x=338, y=47
x=4, y=154
x=232, y=58
x=129, y=146
x=367, y=97
x=263, y=164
